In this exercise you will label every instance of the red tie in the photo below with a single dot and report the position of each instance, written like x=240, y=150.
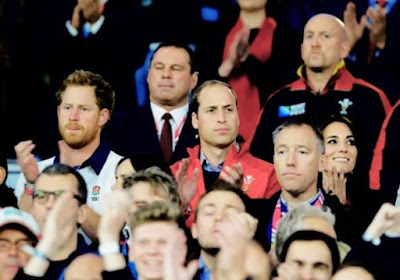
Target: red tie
x=166, y=138
x=381, y=3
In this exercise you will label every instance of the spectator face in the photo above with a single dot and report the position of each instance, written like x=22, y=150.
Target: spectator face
x=142, y=194
x=340, y=147
x=324, y=42
x=85, y=267
x=353, y=272
x=312, y=259
x=44, y=202
x=210, y=211
x=147, y=248
x=79, y=118
x=11, y=255
x=169, y=77
x=217, y=118
x=296, y=160
x=123, y=169
x=252, y=5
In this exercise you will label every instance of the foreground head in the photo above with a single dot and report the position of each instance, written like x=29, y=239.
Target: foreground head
x=151, y=226
x=85, y=104
x=314, y=253
x=172, y=75
x=211, y=209
x=304, y=217
x=324, y=43
x=85, y=267
x=149, y=185
x=354, y=271
x=252, y=5
x=340, y=140
x=17, y=229
x=215, y=114
x=52, y=182
x=129, y=165
x=298, y=146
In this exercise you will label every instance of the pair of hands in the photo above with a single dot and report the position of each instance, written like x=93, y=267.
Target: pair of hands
x=27, y=162
x=386, y=221
x=333, y=180
x=187, y=186
x=91, y=11
x=238, y=52
x=373, y=19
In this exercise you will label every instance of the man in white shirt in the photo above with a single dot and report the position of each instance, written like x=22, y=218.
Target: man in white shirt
x=85, y=104
x=172, y=75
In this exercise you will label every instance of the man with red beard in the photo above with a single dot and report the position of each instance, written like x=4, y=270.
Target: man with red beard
x=17, y=229
x=85, y=104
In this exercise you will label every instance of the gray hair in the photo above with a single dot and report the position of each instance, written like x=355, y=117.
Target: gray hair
x=293, y=221
x=299, y=121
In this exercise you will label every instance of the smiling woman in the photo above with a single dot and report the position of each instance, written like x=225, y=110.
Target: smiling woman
x=339, y=160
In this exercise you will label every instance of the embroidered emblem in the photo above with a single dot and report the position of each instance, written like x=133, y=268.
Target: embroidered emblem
x=95, y=193
x=345, y=104
x=292, y=110
x=247, y=180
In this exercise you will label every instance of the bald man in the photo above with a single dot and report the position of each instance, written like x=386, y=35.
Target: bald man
x=325, y=86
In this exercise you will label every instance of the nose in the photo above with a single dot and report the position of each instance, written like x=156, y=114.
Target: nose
x=315, y=41
x=50, y=201
x=13, y=251
x=306, y=273
x=343, y=148
x=153, y=249
x=166, y=72
x=291, y=159
x=74, y=115
x=221, y=116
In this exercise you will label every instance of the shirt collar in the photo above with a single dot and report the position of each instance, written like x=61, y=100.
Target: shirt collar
x=207, y=165
x=96, y=161
x=205, y=272
x=177, y=114
x=311, y=201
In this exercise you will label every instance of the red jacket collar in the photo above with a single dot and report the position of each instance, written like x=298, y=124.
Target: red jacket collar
x=342, y=80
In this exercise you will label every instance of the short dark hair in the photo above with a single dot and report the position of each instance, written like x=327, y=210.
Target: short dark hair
x=299, y=121
x=181, y=45
x=312, y=235
x=221, y=185
x=199, y=89
x=105, y=95
x=158, y=181
x=63, y=169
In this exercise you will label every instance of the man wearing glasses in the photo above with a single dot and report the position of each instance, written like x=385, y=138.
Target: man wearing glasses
x=59, y=206
x=17, y=229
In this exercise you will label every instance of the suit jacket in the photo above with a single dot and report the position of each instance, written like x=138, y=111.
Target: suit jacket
x=133, y=132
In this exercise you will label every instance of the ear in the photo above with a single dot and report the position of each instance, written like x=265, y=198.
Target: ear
x=83, y=214
x=193, y=80
x=2, y=174
x=193, y=230
x=345, y=49
x=104, y=117
x=58, y=111
x=195, y=120
x=301, y=51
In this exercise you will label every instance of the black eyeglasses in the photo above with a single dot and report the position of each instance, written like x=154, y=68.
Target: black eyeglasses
x=6, y=244
x=41, y=197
